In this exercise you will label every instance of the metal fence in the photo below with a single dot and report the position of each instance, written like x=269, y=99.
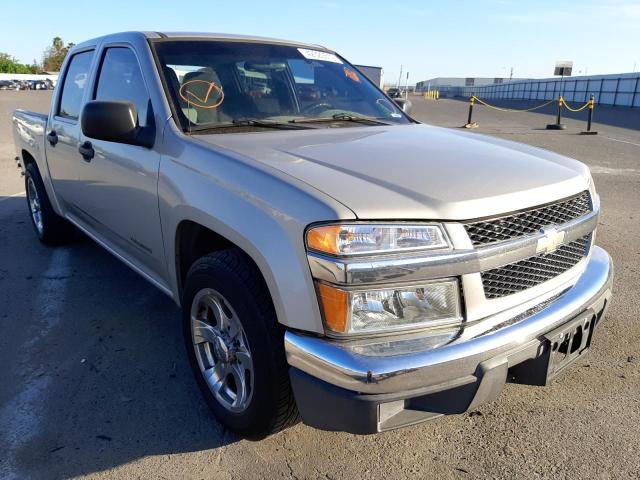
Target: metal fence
x=618, y=89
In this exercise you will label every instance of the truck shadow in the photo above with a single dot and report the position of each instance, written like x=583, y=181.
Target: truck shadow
x=106, y=349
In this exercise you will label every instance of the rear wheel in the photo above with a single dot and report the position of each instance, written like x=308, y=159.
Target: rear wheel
x=50, y=227
x=236, y=345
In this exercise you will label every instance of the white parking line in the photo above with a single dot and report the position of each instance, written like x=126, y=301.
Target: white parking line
x=20, y=417
x=19, y=194
x=598, y=169
x=623, y=141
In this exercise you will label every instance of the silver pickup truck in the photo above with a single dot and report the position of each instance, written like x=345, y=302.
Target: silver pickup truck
x=334, y=259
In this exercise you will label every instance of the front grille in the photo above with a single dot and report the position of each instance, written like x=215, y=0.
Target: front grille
x=528, y=221
x=533, y=271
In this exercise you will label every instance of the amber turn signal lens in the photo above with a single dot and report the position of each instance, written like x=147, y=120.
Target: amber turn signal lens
x=369, y=239
x=334, y=304
x=324, y=239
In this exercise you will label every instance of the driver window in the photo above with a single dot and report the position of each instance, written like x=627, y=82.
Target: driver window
x=121, y=79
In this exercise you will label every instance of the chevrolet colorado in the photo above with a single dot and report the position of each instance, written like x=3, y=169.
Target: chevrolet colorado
x=334, y=259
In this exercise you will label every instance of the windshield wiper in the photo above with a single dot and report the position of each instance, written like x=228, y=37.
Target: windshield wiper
x=247, y=122
x=341, y=117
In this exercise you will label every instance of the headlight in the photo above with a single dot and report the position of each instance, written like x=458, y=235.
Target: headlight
x=432, y=304
x=364, y=239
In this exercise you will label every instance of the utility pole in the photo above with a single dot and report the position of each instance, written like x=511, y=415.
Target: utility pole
x=511, y=74
x=399, y=77
x=406, y=87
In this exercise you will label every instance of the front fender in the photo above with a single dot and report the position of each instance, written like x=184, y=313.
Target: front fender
x=263, y=212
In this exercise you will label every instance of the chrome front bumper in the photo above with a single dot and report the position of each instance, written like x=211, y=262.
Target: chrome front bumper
x=436, y=361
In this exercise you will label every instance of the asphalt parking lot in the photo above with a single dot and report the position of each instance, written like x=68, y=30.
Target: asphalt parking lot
x=95, y=381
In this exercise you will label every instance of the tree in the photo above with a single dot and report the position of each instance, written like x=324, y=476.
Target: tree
x=53, y=56
x=9, y=64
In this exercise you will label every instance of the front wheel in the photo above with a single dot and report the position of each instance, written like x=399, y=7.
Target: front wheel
x=236, y=346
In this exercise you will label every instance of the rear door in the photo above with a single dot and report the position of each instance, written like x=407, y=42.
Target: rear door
x=63, y=132
x=120, y=181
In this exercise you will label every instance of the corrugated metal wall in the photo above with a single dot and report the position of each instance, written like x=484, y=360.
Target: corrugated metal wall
x=621, y=89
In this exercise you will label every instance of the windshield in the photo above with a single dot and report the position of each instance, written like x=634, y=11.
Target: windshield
x=218, y=83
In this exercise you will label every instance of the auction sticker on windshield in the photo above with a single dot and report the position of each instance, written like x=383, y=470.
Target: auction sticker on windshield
x=318, y=55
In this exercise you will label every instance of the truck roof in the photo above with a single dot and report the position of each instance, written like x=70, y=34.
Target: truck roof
x=123, y=36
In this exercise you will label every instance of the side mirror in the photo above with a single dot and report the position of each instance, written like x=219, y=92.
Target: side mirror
x=114, y=121
x=405, y=104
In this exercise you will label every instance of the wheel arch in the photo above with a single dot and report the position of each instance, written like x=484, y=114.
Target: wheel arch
x=40, y=164
x=192, y=241
x=28, y=159
x=195, y=238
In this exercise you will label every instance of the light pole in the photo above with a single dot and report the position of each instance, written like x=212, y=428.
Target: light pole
x=406, y=87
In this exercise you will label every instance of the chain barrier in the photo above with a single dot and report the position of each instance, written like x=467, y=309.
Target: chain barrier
x=566, y=105
x=555, y=126
x=503, y=109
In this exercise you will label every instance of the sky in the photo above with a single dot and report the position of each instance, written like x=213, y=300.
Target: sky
x=481, y=38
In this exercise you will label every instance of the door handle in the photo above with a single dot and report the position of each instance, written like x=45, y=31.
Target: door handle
x=52, y=137
x=87, y=151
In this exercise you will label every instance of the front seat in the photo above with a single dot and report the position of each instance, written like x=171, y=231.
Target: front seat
x=203, y=115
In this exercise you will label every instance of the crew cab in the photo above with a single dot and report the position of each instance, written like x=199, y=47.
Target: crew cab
x=334, y=259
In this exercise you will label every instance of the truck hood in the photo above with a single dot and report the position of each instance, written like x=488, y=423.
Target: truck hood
x=414, y=171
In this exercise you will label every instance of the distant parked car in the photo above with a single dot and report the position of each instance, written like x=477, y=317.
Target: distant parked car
x=38, y=85
x=21, y=84
x=394, y=92
x=8, y=85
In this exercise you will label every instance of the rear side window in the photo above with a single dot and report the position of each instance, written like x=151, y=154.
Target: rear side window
x=75, y=81
x=121, y=79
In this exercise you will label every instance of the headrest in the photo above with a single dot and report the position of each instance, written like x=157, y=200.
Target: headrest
x=207, y=74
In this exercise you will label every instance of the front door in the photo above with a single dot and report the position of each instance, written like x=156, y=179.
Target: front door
x=121, y=181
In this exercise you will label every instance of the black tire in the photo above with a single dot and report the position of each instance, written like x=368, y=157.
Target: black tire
x=54, y=230
x=272, y=406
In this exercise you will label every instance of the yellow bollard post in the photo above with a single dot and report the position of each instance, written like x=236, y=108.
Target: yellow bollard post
x=471, y=124
x=558, y=125
x=588, y=131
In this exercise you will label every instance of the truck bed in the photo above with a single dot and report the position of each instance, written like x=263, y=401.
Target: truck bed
x=28, y=133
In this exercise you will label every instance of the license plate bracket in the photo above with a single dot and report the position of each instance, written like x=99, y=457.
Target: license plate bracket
x=569, y=342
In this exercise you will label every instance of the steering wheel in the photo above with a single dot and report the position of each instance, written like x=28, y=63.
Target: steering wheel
x=317, y=106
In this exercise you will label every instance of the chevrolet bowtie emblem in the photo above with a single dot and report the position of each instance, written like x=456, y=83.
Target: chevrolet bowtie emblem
x=551, y=240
